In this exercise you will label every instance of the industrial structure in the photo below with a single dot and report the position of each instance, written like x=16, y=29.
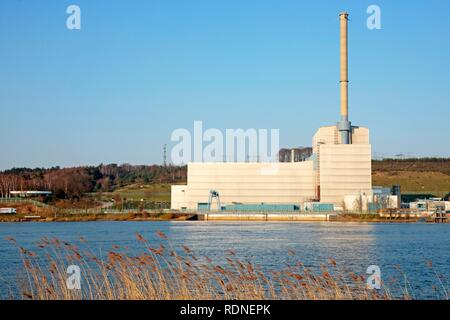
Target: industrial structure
x=338, y=174
x=294, y=154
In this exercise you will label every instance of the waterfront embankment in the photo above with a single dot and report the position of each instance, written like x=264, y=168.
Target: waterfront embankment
x=213, y=216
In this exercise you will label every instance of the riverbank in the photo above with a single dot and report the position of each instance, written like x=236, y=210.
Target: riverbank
x=311, y=216
x=165, y=216
x=98, y=217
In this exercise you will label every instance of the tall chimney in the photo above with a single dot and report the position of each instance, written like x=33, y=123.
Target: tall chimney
x=344, y=126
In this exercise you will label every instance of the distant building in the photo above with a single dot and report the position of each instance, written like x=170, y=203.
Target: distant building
x=429, y=205
x=32, y=193
x=295, y=154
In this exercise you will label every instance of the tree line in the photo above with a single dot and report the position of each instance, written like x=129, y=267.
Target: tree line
x=76, y=181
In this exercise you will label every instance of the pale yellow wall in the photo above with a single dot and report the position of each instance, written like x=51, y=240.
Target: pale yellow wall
x=330, y=135
x=178, y=196
x=282, y=183
x=345, y=169
x=357, y=202
x=325, y=135
x=360, y=135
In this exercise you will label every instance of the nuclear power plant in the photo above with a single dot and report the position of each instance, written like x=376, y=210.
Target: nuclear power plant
x=336, y=176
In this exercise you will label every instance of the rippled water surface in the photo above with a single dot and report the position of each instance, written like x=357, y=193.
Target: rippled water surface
x=355, y=245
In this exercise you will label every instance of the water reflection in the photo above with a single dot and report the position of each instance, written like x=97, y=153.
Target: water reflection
x=354, y=245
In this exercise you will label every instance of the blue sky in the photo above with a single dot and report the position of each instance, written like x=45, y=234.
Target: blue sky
x=114, y=91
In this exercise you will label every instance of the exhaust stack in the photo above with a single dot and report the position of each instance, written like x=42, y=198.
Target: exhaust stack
x=344, y=126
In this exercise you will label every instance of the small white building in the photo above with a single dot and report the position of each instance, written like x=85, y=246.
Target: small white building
x=29, y=193
x=8, y=211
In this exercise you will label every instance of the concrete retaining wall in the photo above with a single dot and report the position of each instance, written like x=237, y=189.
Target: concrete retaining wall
x=268, y=217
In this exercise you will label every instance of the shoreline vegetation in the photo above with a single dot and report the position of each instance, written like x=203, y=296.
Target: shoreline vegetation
x=161, y=216
x=168, y=273
x=168, y=216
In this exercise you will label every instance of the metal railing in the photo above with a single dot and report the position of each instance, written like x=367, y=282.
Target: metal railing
x=107, y=210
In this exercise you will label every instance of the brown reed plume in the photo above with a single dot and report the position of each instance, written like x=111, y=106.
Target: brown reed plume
x=165, y=273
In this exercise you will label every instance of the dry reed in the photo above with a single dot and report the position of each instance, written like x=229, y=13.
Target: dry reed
x=165, y=273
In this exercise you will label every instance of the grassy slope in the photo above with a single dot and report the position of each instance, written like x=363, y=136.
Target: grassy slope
x=414, y=176
x=153, y=192
x=435, y=183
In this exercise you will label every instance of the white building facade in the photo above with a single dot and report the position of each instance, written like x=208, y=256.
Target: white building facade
x=334, y=171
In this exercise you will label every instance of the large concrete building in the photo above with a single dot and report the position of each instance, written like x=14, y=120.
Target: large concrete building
x=339, y=167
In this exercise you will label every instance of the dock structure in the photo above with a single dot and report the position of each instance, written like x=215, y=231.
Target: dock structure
x=268, y=216
x=439, y=216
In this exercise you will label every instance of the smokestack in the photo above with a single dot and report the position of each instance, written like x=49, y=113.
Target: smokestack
x=344, y=126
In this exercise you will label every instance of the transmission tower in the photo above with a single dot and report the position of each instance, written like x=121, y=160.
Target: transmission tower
x=165, y=155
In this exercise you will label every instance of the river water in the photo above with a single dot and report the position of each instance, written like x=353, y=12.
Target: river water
x=353, y=245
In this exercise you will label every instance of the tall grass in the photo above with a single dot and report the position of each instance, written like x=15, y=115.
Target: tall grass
x=166, y=273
